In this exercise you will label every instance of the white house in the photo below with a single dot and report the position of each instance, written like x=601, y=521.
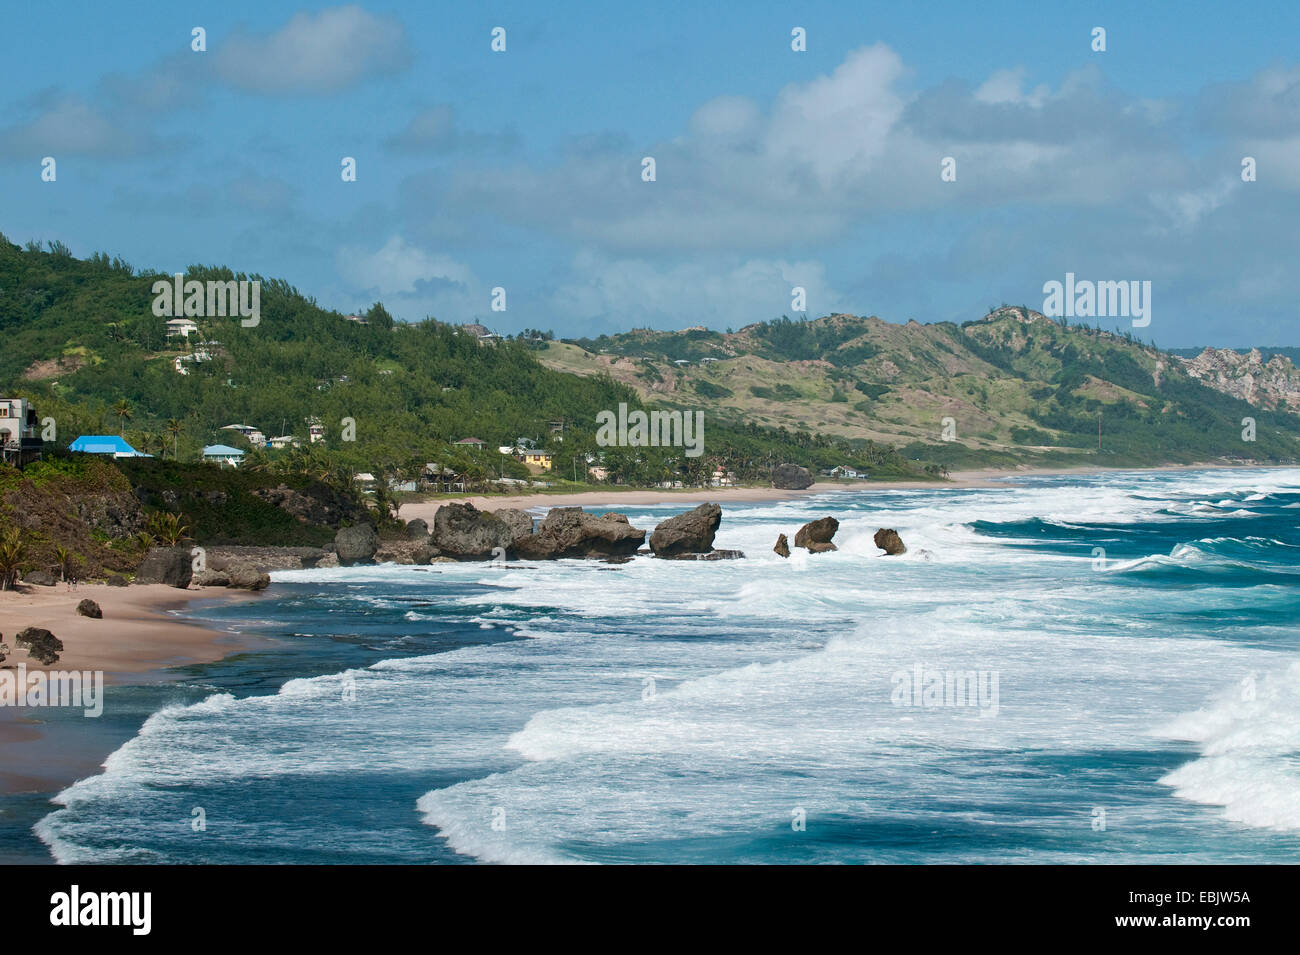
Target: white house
x=284, y=441
x=17, y=420
x=180, y=327
x=255, y=437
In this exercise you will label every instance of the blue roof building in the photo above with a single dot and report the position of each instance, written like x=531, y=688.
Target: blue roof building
x=105, y=444
x=223, y=454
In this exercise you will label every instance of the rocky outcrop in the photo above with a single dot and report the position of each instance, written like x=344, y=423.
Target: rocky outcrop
x=887, y=539
x=571, y=532
x=782, y=547
x=247, y=577
x=221, y=558
x=212, y=578
x=318, y=504
x=791, y=477
x=713, y=555
x=1270, y=385
x=815, y=536
x=689, y=533
x=417, y=530
x=519, y=521
x=42, y=646
x=166, y=565
x=40, y=578
x=88, y=608
x=356, y=544
x=116, y=580
x=115, y=514
x=464, y=532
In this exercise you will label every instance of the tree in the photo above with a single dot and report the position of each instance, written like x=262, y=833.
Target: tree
x=12, y=551
x=174, y=428
x=63, y=560
x=167, y=528
x=123, y=411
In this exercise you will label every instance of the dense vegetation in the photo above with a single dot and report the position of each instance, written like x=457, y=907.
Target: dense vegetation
x=83, y=343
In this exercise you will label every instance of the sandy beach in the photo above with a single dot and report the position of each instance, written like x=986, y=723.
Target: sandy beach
x=643, y=497
x=134, y=642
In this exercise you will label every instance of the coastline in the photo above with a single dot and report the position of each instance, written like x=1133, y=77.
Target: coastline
x=138, y=640
x=642, y=497
x=141, y=635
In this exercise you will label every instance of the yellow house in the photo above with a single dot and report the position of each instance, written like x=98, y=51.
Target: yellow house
x=536, y=459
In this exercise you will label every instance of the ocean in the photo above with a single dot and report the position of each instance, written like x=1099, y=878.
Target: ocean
x=1062, y=669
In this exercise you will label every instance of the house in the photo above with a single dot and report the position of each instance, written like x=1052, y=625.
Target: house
x=315, y=430
x=254, y=437
x=598, y=472
x=722, y=477
x=105, y=444
x=442, y=480
x=19, y=442
x=284, y=441
x=472, y=442
x=223, y=455
x=359, y=319
x=180, y=361
x=481, y=332
x=536, y=459
x=844, y=471
x=180, y=327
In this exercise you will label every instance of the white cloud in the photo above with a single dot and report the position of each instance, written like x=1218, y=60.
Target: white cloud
x=314, y=53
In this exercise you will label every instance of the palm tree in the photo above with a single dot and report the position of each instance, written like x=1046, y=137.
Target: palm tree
x=123, y=411
x=12, y=551
x=63, y=559
x=167, y=528
x=173, y=428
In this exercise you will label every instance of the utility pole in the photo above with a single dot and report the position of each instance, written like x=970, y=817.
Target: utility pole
x=1099, y=430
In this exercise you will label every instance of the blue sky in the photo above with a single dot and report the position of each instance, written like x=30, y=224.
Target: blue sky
x=775, y=168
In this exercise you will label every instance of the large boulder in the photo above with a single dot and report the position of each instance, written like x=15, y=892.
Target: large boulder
x=782, y=547
x=39, y=577
x=212, y=578
x=88, y=608
x=519, y=521
x=887, y=539
x=116, y=580
x=571, y=532
x=356, y=544
x=247, y=577
x=791, y=477
x=42, y=646
x=417, y=530
x=463, y=531
x=689, y=533
x=815, y=536
x=166, y=565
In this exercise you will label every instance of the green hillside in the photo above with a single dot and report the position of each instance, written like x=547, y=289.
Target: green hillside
x=1017, y=386
x=81, y=341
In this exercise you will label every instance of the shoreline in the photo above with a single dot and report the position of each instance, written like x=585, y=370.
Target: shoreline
x=651, y=497
x=140, y=640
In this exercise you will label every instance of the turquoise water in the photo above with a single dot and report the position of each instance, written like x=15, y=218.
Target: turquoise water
x=1144, y=702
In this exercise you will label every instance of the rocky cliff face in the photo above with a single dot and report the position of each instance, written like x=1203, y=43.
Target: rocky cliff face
x=1274, y=384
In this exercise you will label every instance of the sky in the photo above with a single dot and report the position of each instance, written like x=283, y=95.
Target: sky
x=522, y=169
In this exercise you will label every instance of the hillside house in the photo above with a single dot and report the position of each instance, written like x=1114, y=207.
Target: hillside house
x=180, y=327
x=105, y=444
x=255, y=437
x=19, y=441
x=223, y=455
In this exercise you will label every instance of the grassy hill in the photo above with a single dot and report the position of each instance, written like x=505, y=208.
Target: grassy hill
x=1019, y=387
x=82, y=342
